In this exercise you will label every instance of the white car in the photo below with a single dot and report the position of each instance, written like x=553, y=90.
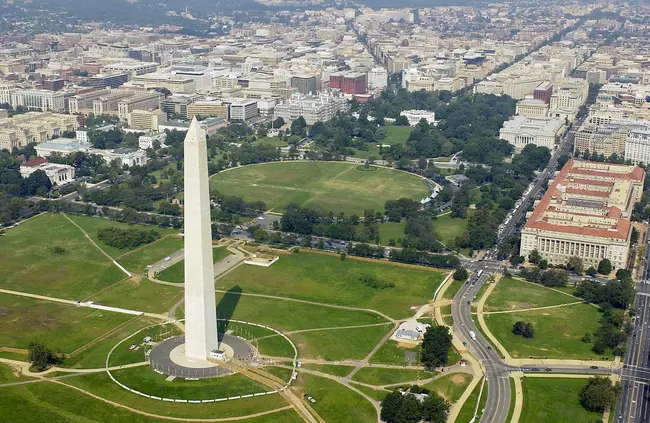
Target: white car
x=167, y=258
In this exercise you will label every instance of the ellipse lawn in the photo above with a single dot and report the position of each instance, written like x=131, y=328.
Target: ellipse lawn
x=325, y=186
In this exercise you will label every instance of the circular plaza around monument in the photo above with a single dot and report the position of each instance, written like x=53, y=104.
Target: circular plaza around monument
x=167, y=357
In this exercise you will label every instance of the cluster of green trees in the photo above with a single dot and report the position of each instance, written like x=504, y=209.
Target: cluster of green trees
x=436, y=345
x=523, y=329
x=40, y=356
x=127, y=238
x=614, y=298
x=114, y=138
x=599, y=395
x=13, y=187
x=138, y=192
x=19, y=110
x=398, y=407
x=236, y=205
x=375, y=282
x=553, y=278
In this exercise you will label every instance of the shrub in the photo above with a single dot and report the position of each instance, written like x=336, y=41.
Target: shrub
x=374, y=282
x=126, y=238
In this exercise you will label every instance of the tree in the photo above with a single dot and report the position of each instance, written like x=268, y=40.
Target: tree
x=534, y=257
x=529, y=331
x=592, y=271
x=299, y=127
x=435, y=409
x=518, y=328
x=575, y=265
x=598, y=395
x=543, y=264
x=40, y=356
x=605, y=267
x=435, y=347
x=587, y=338
x=390, y=406
x=278, y=123
x=401, y=121
x=460, y=274
x=409, y=411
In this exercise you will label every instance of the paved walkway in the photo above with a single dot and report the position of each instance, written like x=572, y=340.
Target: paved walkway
x=532, y=308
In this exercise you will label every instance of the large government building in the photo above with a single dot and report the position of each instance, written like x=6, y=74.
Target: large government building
x=585, y=213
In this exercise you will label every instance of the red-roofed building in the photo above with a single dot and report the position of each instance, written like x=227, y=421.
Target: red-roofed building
x=585, y=213
x=59, y=174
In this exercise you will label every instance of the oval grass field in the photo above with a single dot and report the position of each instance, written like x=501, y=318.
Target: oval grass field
x=324, y=186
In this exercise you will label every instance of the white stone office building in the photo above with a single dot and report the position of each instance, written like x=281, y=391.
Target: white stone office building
x=521, y=131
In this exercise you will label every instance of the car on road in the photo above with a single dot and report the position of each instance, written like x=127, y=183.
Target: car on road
x=535, y=369
x=469, y=302
x=594, y=367
x=167, y=258
x=548, y=369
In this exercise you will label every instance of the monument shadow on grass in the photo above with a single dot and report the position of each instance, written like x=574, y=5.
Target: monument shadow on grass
x=225, y=310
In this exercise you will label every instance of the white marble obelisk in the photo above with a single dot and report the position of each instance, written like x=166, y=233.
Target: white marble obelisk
x=200, y=307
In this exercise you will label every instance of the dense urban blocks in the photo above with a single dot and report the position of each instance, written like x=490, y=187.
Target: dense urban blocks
x=325, y=186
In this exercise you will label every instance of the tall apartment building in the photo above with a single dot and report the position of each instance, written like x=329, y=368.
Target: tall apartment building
x=304, y=84
x=637, y=144
x=602, y=139
x=112, y=80
x=543, y=92
x=349, y=83
x=143, y=101
x=146, y=120
x=377, y=78
x=243, y=110
x=542, y=132
x=177, y=104
x=213, y=108
x=39, y=100
x=585, y=213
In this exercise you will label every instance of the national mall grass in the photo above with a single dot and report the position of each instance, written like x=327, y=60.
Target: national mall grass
x=325, y=186
x=514, y=294
x=327, y=279
x=554, y=400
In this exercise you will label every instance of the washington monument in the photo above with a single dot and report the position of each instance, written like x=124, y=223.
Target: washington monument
x=200, y=307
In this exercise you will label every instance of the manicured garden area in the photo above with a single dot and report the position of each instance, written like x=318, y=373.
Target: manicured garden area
x=325, y=186
x=447, y=229
x=327, y=279
x=554, y=400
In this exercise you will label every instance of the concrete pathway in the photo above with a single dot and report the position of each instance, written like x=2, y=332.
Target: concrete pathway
x=531, y=308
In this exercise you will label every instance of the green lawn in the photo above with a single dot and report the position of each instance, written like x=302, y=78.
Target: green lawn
x=391, y=230
x=452, y=289
x=327, y=279
x=554, y=400
x=447, y=229
x=58, y=326
x=339, y=344
x=558, y=332
x=379, y=377
x=335, y=402
x=396, y=134
x=93, y=224
x=95, y=356
x=513, y=294
x=142, y=296
x=138, y=260
x=331, y=369
x=467, y=411
x=266, y=341
x=145, y=379
x=9, y=375
x=325, y=186
x=391, y=353
x=376, y=394
x=288, y=315
x=176, y=272
x=100, y=384
x=28, y=262
x=450, y=386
